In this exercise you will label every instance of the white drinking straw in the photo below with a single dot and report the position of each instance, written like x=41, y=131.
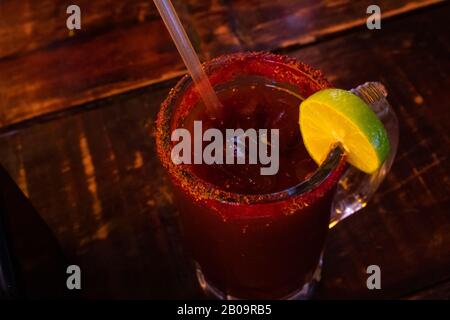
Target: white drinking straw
x=187, y=52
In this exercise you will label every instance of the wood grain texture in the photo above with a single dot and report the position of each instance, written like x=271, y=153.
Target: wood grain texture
x=440, y=291
x=123, y=232
x=280, y=24
x=405, y=230
x=29, y=25
x=48, y=81
x=123, y=45
x=94, y=177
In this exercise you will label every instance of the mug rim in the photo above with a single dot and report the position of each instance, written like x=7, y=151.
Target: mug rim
x=200, y=189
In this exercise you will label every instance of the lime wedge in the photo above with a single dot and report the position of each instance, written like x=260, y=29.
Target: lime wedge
x=333, y=116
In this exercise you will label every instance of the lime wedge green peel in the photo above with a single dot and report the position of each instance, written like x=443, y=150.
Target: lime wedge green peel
x=333, y=116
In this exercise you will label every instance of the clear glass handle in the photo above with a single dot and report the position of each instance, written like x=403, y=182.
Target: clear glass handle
x=355, y=188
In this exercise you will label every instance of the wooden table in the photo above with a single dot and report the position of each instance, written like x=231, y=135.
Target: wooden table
x=77, y=111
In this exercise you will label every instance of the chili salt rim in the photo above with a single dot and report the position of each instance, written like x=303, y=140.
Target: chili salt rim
x=315, y=186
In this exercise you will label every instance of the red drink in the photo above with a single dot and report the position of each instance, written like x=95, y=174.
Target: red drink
x=254, y=102
x=252, y=235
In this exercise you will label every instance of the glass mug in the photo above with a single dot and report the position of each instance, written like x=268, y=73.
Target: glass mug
x=262, y=237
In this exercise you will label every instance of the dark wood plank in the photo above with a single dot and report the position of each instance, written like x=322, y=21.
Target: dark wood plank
x=123, y=46
x=95, y=159
x=36, y=25
x=94, y=178
x=28, y=25
x=278, y=24
x=54, y=79
x=439, y=292
x=405, y=230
